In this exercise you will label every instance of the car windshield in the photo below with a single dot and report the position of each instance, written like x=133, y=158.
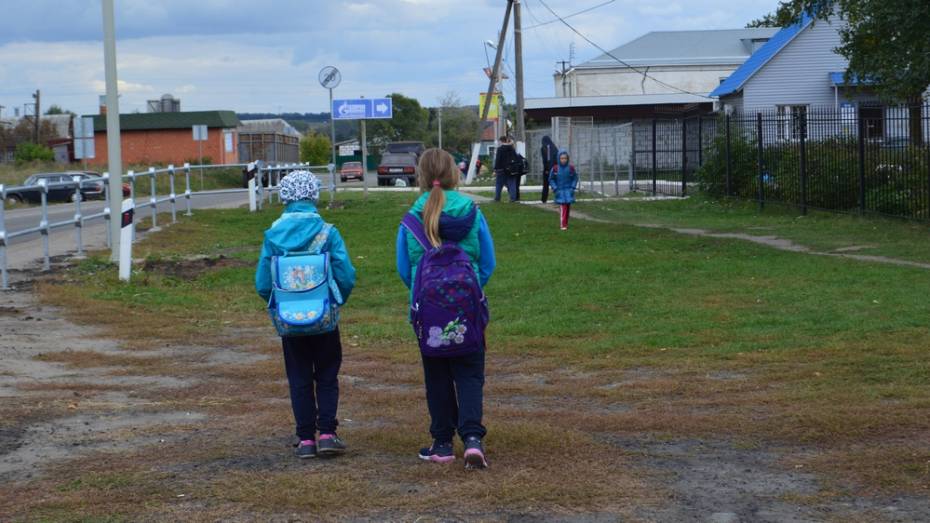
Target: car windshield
x=399, y=159
x=352, y=164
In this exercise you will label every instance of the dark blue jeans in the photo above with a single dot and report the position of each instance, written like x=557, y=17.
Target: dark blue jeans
x=511, y=182
x=454, y=395
x=312, y=364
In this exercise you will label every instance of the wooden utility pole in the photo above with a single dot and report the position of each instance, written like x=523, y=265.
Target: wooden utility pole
x=492, y=82
x=495, y=72
x=518, y=56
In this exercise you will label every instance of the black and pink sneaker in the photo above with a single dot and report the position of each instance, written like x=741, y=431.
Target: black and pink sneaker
x=438, y=453
x=474, y=454
x=306, y=449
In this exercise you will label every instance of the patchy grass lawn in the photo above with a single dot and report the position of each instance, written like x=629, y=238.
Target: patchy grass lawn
x=823, y=231
x=601, y=333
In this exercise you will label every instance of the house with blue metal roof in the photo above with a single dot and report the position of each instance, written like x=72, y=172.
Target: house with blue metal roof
x=798, y=68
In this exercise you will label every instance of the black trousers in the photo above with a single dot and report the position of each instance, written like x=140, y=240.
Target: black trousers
x=455, y=395
x=545, y=189
x=312, y=364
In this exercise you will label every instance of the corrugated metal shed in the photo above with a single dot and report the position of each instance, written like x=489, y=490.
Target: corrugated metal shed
x=724, y=46
x=268, y=125
x=613, y=101
x=183, y=120
x=757, y=61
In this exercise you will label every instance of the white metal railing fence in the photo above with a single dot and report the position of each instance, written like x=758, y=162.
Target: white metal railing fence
x=267, y=180
x=601, y=153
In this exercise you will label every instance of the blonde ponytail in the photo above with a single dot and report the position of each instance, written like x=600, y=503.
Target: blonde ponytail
x=431, y=212
x=436, y=172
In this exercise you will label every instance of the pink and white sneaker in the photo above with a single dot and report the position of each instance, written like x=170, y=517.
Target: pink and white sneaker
x=474, y=454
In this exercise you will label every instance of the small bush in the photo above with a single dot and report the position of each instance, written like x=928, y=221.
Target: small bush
x=30, y=152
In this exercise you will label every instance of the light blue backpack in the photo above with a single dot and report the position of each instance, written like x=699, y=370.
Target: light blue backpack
x=305, y=299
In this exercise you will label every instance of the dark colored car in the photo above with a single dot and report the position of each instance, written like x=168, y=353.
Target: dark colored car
x=351, y=170
x=415, y=148
x=61, y=187
x=395, y=166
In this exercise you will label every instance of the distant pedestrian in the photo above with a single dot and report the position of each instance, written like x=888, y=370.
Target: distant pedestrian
x=549, y=154
x=563, y=180
x=445, y=255
x=308, y=327
x=505, y=161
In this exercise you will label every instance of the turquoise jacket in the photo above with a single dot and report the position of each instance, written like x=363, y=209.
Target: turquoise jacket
x=293, y=232
x=476, y=242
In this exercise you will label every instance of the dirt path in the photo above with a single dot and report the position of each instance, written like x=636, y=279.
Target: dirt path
x=773, y=242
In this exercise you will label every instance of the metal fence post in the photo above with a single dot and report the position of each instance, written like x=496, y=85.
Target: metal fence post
x=861, y=165
x=187, y=187
x=172, y=196
x=700, y=141
x=684, y=157
x=655, y=161
x=761, y=161
x=78, y=219
x=4, y=277
x=153, y=199
x=108, y=201
x=728, y=182
x=803, y=145
x=43, y=225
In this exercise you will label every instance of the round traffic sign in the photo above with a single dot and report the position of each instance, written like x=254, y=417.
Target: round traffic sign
x=330, y=77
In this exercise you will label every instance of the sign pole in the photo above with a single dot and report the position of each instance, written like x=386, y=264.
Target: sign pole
x=364, y=161
x=114, y=150
x=332, y=126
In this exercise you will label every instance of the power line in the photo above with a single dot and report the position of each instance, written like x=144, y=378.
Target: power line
x=583, y=11
x=608, y=53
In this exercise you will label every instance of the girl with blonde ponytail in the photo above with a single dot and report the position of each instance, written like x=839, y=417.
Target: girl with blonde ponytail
x=454, y=379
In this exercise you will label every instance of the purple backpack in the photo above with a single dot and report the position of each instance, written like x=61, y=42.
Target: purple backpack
x=449, y=311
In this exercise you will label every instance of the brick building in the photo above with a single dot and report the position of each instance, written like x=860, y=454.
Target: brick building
x=167, y=138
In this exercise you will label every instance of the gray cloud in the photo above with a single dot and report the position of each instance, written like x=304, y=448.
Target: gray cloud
x=260, y=56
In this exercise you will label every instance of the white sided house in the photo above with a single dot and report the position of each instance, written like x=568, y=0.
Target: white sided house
x=799, y=73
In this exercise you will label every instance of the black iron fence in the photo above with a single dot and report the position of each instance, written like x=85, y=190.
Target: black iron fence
x=855, y=159
x=667, y=153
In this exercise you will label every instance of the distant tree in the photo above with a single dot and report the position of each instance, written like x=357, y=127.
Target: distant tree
x=459, y=124
x=410, y=122
x=316, y=149
x=56, y=109
x=885, y=41
x=769, y=20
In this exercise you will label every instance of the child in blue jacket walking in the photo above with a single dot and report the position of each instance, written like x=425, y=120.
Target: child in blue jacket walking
x=454, y=385
x=311, y=362
x=564, y=180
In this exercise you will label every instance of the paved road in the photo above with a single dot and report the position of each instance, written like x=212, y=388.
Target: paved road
x=20, y=219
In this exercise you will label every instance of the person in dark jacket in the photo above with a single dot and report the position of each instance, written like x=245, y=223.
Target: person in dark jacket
x=504, y=161
x=550, y=157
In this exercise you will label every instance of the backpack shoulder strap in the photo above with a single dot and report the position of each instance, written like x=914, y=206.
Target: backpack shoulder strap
x=316, y=246
x=412, y=224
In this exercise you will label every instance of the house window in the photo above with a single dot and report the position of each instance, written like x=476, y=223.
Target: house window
x=792, y=121
x=873, y=121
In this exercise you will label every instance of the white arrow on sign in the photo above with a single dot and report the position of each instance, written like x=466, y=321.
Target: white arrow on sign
x=344, y=109
x=381, y=107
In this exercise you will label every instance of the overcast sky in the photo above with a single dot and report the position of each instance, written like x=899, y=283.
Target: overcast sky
x=264, y=56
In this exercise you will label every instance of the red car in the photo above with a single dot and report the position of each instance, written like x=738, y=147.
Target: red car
x=351, y=170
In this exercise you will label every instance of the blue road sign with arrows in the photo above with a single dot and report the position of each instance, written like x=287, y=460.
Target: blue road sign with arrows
x=363, y=109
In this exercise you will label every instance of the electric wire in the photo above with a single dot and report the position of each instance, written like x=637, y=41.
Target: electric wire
x=608, y=53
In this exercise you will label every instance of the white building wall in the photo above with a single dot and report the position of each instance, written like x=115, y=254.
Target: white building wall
x=623, y=81
x=799, y=74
